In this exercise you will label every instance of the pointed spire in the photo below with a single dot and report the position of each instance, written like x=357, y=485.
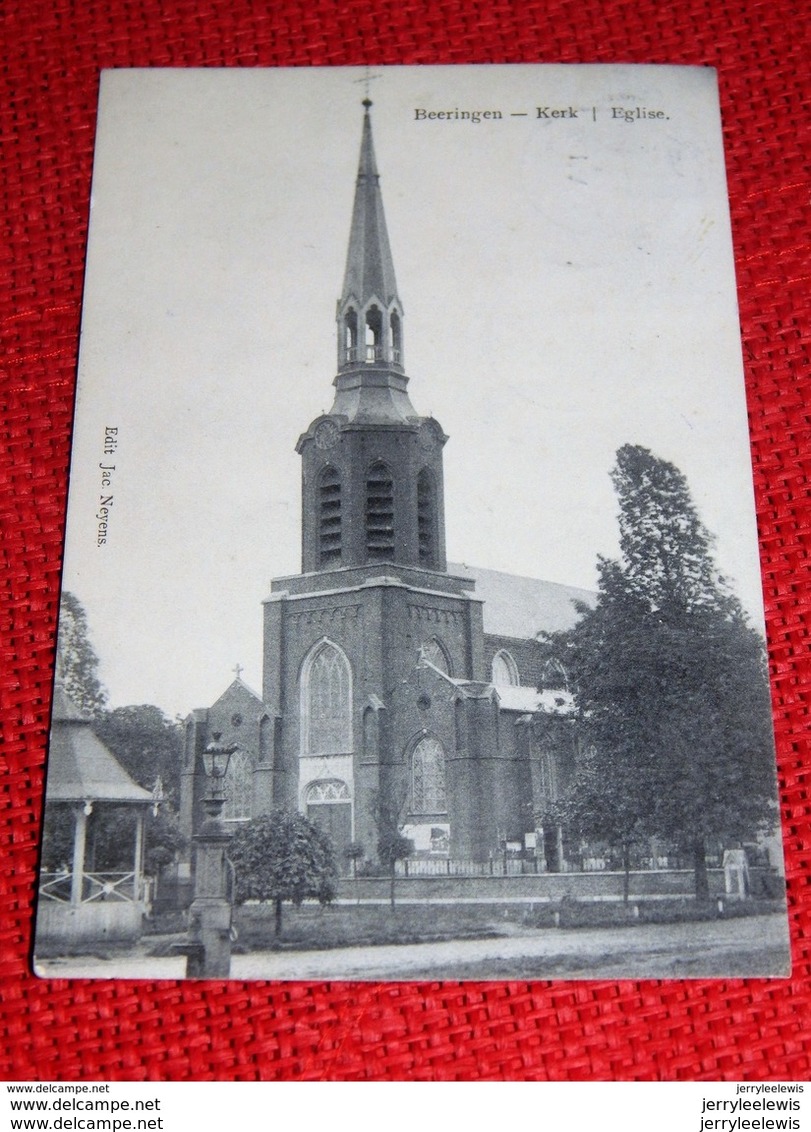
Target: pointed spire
x=369, y=265
x=371, y=382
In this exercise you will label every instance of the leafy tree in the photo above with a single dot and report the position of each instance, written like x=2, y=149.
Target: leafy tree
x=164, y=839
x=283, y=856
x=147, y=743
x=606, y=804
x=77, y=661
x=391, y=848
x=57, y=837
x=672, y=685
x=111, y=838
x=354, y=852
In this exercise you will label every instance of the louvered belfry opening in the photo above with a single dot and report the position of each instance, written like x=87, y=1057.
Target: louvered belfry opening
x=329, y=533
x=426, y=518
x=364, y=500
x=379, y=513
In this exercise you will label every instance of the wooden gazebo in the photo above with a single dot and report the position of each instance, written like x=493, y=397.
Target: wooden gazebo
x=77, y=904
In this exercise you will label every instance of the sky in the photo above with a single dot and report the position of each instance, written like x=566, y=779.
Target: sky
x=567, y=277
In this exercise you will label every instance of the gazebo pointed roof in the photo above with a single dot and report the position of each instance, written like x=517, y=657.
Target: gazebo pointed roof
x=80, y=767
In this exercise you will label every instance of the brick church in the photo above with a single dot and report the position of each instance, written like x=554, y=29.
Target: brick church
x=394, y=681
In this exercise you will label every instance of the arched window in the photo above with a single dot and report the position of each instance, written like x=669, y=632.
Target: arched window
x=370, y=735
x=554, y=676
x=504, y=670
x=374, y=334
x=329, y=518
x=396, y=338
x=426, y=518
x=325, y=791
x=379, y=513
x=428, y=778
x=351, y=335
x=326, y=696
x=239, y=787
x=434, y=652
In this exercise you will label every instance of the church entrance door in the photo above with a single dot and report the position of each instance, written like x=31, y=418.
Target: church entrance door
x=330, y=808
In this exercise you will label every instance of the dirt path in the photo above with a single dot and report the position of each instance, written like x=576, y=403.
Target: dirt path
x=742, y=948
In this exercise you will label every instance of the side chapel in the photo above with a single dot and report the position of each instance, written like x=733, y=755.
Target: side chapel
x=394, y=680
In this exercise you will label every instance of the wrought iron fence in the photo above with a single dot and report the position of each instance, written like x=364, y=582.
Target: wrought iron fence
x=530, y=866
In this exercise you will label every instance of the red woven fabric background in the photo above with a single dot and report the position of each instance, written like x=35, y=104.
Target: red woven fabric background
x=650, y=1030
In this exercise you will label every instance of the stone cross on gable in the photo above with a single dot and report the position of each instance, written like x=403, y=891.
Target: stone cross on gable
x=238, y=669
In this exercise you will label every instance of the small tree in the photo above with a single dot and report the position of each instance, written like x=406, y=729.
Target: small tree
x=164, y=839
x=283, y=856
x=392, y=846
x=354, y=852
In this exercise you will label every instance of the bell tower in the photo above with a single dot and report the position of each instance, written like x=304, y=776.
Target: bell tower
x=354, y=641
x=372, y=484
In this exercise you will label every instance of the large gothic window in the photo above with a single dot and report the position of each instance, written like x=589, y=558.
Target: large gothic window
x=426, y=518
x=379, y=513
x=428, y=778
x=326, y=694
x=239, y=787
x=329, y=518
x=504, y=670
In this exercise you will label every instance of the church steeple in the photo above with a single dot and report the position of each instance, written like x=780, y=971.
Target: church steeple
x=370, y=315
x=371, y=467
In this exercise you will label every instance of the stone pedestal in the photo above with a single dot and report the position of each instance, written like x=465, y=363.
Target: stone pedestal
x=208, y=950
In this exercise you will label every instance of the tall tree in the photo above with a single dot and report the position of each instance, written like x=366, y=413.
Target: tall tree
x=77, y=663
x=672, y=684
x=283, y=856
x=147, y=743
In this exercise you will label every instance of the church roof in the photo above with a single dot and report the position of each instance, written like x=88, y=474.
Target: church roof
x=520, y=607
x=80, y=767
x=369, y=264
x=238, y=687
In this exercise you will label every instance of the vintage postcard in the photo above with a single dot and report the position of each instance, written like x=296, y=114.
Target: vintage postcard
x=411, y=623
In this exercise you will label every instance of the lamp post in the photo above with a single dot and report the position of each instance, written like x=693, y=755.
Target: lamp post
x=209, y=948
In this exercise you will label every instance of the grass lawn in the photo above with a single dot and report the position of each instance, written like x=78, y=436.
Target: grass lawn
x=368, y=925
x=344, y=925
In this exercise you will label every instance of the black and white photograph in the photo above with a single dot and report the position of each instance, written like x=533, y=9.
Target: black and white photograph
x=411, y=624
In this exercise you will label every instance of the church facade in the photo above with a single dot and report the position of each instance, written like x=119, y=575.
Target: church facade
x=397, y=688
